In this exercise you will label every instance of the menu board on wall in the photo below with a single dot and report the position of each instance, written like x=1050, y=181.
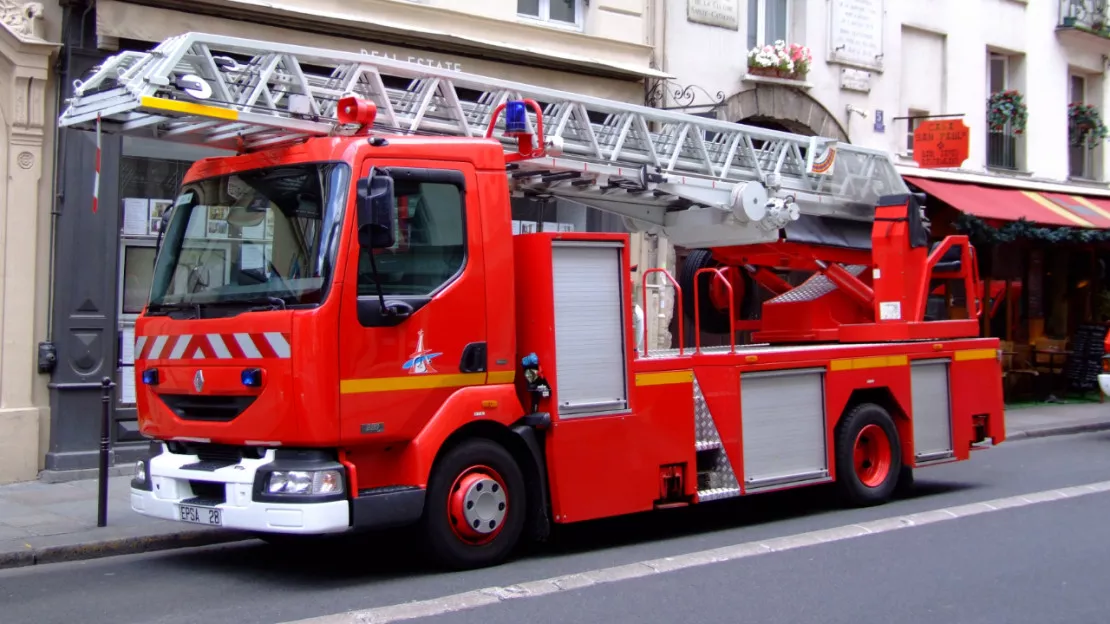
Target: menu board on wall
x=856, y=36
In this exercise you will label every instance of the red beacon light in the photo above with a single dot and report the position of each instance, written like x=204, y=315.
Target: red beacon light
x=354, y=110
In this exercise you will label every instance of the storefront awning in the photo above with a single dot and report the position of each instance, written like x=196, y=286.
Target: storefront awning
x=1010, y=204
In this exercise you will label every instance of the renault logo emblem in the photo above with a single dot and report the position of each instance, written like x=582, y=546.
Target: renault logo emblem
x=198, y=381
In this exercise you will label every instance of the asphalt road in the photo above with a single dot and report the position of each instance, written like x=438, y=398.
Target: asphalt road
x=1018, y=565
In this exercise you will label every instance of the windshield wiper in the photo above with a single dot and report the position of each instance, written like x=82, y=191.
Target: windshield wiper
x=162, y=309
x=260, y=303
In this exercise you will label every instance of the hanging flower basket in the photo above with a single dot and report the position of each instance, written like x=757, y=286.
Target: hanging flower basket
x=780, y=61
x=1007, y=107
x=1085, y=125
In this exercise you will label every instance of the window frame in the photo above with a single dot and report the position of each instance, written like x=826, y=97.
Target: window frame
x=543, y=15
x=423, y=175
x=914, y=118
x=761, y=23
x=1005, y=59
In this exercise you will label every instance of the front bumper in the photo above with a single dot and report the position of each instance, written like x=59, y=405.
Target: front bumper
x=185, y=488
x=1104, y=383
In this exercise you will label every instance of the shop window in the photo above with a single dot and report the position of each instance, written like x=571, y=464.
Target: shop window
x=429, y=247
x=767, y=21
x=563, y=12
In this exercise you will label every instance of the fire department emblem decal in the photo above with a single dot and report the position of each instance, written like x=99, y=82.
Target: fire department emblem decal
x=420, y=362
x=198, y=381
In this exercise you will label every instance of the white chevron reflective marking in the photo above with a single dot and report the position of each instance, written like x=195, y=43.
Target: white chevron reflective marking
x=198, y=355
x=591, y=578
x=217, y=342
x=278, y=343
x=159, y=344
x=247, y=345
x=179, y=346
x=140, y=342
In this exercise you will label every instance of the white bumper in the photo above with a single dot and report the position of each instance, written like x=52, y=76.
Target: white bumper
x=171, y=488
x=1104, y=383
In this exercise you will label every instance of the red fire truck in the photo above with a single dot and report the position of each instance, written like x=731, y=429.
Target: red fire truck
x=345, y=332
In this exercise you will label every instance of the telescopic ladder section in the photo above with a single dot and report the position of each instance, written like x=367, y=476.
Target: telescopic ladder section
x=704, y=182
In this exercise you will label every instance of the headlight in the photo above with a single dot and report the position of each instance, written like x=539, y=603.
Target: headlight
x=140, y=470
x=305, y=482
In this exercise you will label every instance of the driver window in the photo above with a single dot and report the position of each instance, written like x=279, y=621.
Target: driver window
x=430, y=242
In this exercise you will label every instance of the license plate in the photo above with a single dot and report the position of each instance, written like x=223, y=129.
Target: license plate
x=200, y=515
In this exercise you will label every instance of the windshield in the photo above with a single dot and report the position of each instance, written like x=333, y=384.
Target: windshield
x=266, y=236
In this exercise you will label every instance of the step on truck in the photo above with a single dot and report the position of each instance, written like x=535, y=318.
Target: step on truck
x=345, y=333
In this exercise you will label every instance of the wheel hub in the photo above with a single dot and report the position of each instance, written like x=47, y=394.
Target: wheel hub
x=872, y=456
x=478, y=506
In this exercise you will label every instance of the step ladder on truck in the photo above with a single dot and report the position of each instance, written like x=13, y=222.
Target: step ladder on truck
x=394, y=355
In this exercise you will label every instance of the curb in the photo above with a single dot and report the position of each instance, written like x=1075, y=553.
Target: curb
x=118, y=546
x=1045, y=432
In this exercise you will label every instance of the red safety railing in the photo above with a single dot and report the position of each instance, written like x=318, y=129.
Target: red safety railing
x=678, y=300
x=720, y=273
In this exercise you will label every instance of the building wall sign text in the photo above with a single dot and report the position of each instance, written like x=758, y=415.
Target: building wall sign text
x=438, y=63
x=720, y=13
x=857, y=33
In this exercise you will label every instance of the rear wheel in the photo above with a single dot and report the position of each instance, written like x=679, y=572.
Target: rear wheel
x=712, y=294
x=475, y=507
x=868, y=455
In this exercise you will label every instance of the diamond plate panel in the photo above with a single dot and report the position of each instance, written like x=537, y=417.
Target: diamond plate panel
x=722, y=479
x=814, y=287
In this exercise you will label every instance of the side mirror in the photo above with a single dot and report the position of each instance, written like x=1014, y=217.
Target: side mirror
x=376, y=211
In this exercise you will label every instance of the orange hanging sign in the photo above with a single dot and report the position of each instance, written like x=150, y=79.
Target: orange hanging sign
x=941, y=143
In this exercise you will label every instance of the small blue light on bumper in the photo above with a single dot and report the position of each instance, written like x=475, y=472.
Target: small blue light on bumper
x=150, y=377
x=252, y=377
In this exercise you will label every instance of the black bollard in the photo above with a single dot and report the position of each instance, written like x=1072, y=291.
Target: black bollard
x=105, y=445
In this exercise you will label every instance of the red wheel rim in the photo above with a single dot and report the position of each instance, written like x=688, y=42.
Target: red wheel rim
x=872, y=456
x=477, y=505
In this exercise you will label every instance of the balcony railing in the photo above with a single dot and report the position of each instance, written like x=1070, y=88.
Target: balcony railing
x=1088, y=15
x=1002, y=148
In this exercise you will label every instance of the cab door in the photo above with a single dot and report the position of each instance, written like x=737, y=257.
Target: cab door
x=395, y=372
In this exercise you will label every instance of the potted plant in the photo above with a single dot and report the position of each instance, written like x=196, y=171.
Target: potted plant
x=780, y=61
x=1007, y=107
x=1085, y=125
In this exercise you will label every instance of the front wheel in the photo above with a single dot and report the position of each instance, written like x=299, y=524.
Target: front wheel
x=475, y=507
x=868, y=455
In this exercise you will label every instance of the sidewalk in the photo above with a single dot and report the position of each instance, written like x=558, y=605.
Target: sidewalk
x=55, y=522
x=50, y=523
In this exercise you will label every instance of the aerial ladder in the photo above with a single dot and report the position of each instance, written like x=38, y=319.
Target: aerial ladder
x=760, y=199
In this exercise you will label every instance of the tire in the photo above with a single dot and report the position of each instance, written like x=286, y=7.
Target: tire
x=478, y=475
x=713, y=320
x=871, y=477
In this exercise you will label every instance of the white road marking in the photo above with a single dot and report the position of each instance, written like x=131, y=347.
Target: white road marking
x=532, y=589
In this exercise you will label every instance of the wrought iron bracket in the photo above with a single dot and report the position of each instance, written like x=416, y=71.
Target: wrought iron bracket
x=684, y=96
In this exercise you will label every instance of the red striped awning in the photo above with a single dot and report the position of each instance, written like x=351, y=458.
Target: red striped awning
x=1007, y=204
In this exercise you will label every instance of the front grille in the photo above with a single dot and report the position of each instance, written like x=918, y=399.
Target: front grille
x=209, y=408
x=208, y=493
x=216, y=453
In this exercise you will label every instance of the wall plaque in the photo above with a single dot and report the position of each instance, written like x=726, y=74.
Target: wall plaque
x=719, y=13
x=857, y=33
